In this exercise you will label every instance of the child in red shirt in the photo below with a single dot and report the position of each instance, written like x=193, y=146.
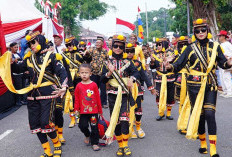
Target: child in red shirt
x=88, y=104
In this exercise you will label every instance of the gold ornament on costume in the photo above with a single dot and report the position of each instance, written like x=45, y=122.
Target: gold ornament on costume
x=69, y=40
x=209, y=36
x=74, y=48
x=135, y=57
x=68, y=61
x=27, y=55
x=38, y=47
x=47, y=41
x=58, y=57
x=200, y=22
x=32, y=36
x=129, y=45
x=124, y=55
x=110, y=53
x=82, y=43
x=157, y=40
x=182, y=38
x=120, y=37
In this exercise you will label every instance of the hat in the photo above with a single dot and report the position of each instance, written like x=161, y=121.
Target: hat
x=100, y=38
x=159, y=40
x=224, y=33
x=82, y=43
x=69, y=40
x=183, y=39
x=57, y=35
x=200, y=23
x=129, y=46
x=32, y=36
x=119, y=38
x=176, y=35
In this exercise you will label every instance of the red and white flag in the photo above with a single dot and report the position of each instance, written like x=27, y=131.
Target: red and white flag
x=124, y=26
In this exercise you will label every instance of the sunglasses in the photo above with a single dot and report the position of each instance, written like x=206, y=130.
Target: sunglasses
x=203, y=30
x=120, y=46
x=132, y=38
x=31, y=43
x=159, y=44
x=130, y=51
x=82, y=46
x=68, y=45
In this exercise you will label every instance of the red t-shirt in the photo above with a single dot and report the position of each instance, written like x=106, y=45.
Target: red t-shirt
x=87, y=99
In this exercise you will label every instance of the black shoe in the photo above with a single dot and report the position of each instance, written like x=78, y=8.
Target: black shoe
x=158, y=118
x=203, y=150
x=216, y=155
x=169, y=117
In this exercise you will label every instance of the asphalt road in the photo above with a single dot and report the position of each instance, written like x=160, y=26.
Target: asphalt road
x=162, y=139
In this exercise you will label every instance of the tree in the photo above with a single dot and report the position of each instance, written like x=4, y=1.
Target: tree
x=73, y=11
x=206, y=9
x=156, y=28
x=180, y=19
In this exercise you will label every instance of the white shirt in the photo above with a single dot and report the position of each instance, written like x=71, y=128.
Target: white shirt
x=227, y=46
x=59, y=48
x=148, y=62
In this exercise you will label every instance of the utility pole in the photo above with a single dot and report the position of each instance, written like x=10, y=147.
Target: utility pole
x=147, y=23
x=165, y=24
x=188, y=22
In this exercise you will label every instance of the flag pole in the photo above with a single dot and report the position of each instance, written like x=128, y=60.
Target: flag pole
x=147, y=23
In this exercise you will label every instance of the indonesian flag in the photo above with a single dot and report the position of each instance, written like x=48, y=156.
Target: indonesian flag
x=124, y=26
x=48, y=2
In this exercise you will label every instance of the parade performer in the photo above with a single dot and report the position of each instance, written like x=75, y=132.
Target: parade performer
x=88, y=104
x=120, y=73
x=75, y=59
x=181, y=89
x=138, y=50
x=163, y=79
x=143, y=77
x=203, y=56
x=45, y=87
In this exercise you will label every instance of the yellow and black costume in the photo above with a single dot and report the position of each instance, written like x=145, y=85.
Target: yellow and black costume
x=118, y=96
x=46, y=74
x=74, y=58
x=203, y=57
x=164, y=81
x=143, y=78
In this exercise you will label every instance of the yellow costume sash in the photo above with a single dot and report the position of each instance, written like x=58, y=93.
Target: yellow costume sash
x=163, y=93
x=5, y=74
x=68, y=102
x=115, y=114
x=195, y=117
x=183, y=118
x=135, y=92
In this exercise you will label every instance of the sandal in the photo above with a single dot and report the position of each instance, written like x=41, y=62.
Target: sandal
x=96, y=147
x=87, y=141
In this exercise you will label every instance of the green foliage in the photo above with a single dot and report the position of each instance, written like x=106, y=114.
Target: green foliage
x=157, y=27
x=180, y=21
x=225, y=17
x=75, y=10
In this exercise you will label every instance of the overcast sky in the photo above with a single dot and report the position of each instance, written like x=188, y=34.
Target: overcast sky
x=126, y=10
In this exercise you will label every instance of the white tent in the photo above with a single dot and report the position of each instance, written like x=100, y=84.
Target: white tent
x=21, y=15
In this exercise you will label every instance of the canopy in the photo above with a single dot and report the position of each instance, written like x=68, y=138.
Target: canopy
x=21, y=15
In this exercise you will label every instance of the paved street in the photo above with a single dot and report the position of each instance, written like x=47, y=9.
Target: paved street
x=162, y=138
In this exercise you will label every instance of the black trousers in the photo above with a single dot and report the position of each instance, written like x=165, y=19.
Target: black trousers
x=138, y=110
x=208, y=110
x=92, y=120
x=18, y=83
x=170, y=93
x=41, y=115
x=103, y=94
x=123, y=124
x=59, y=119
